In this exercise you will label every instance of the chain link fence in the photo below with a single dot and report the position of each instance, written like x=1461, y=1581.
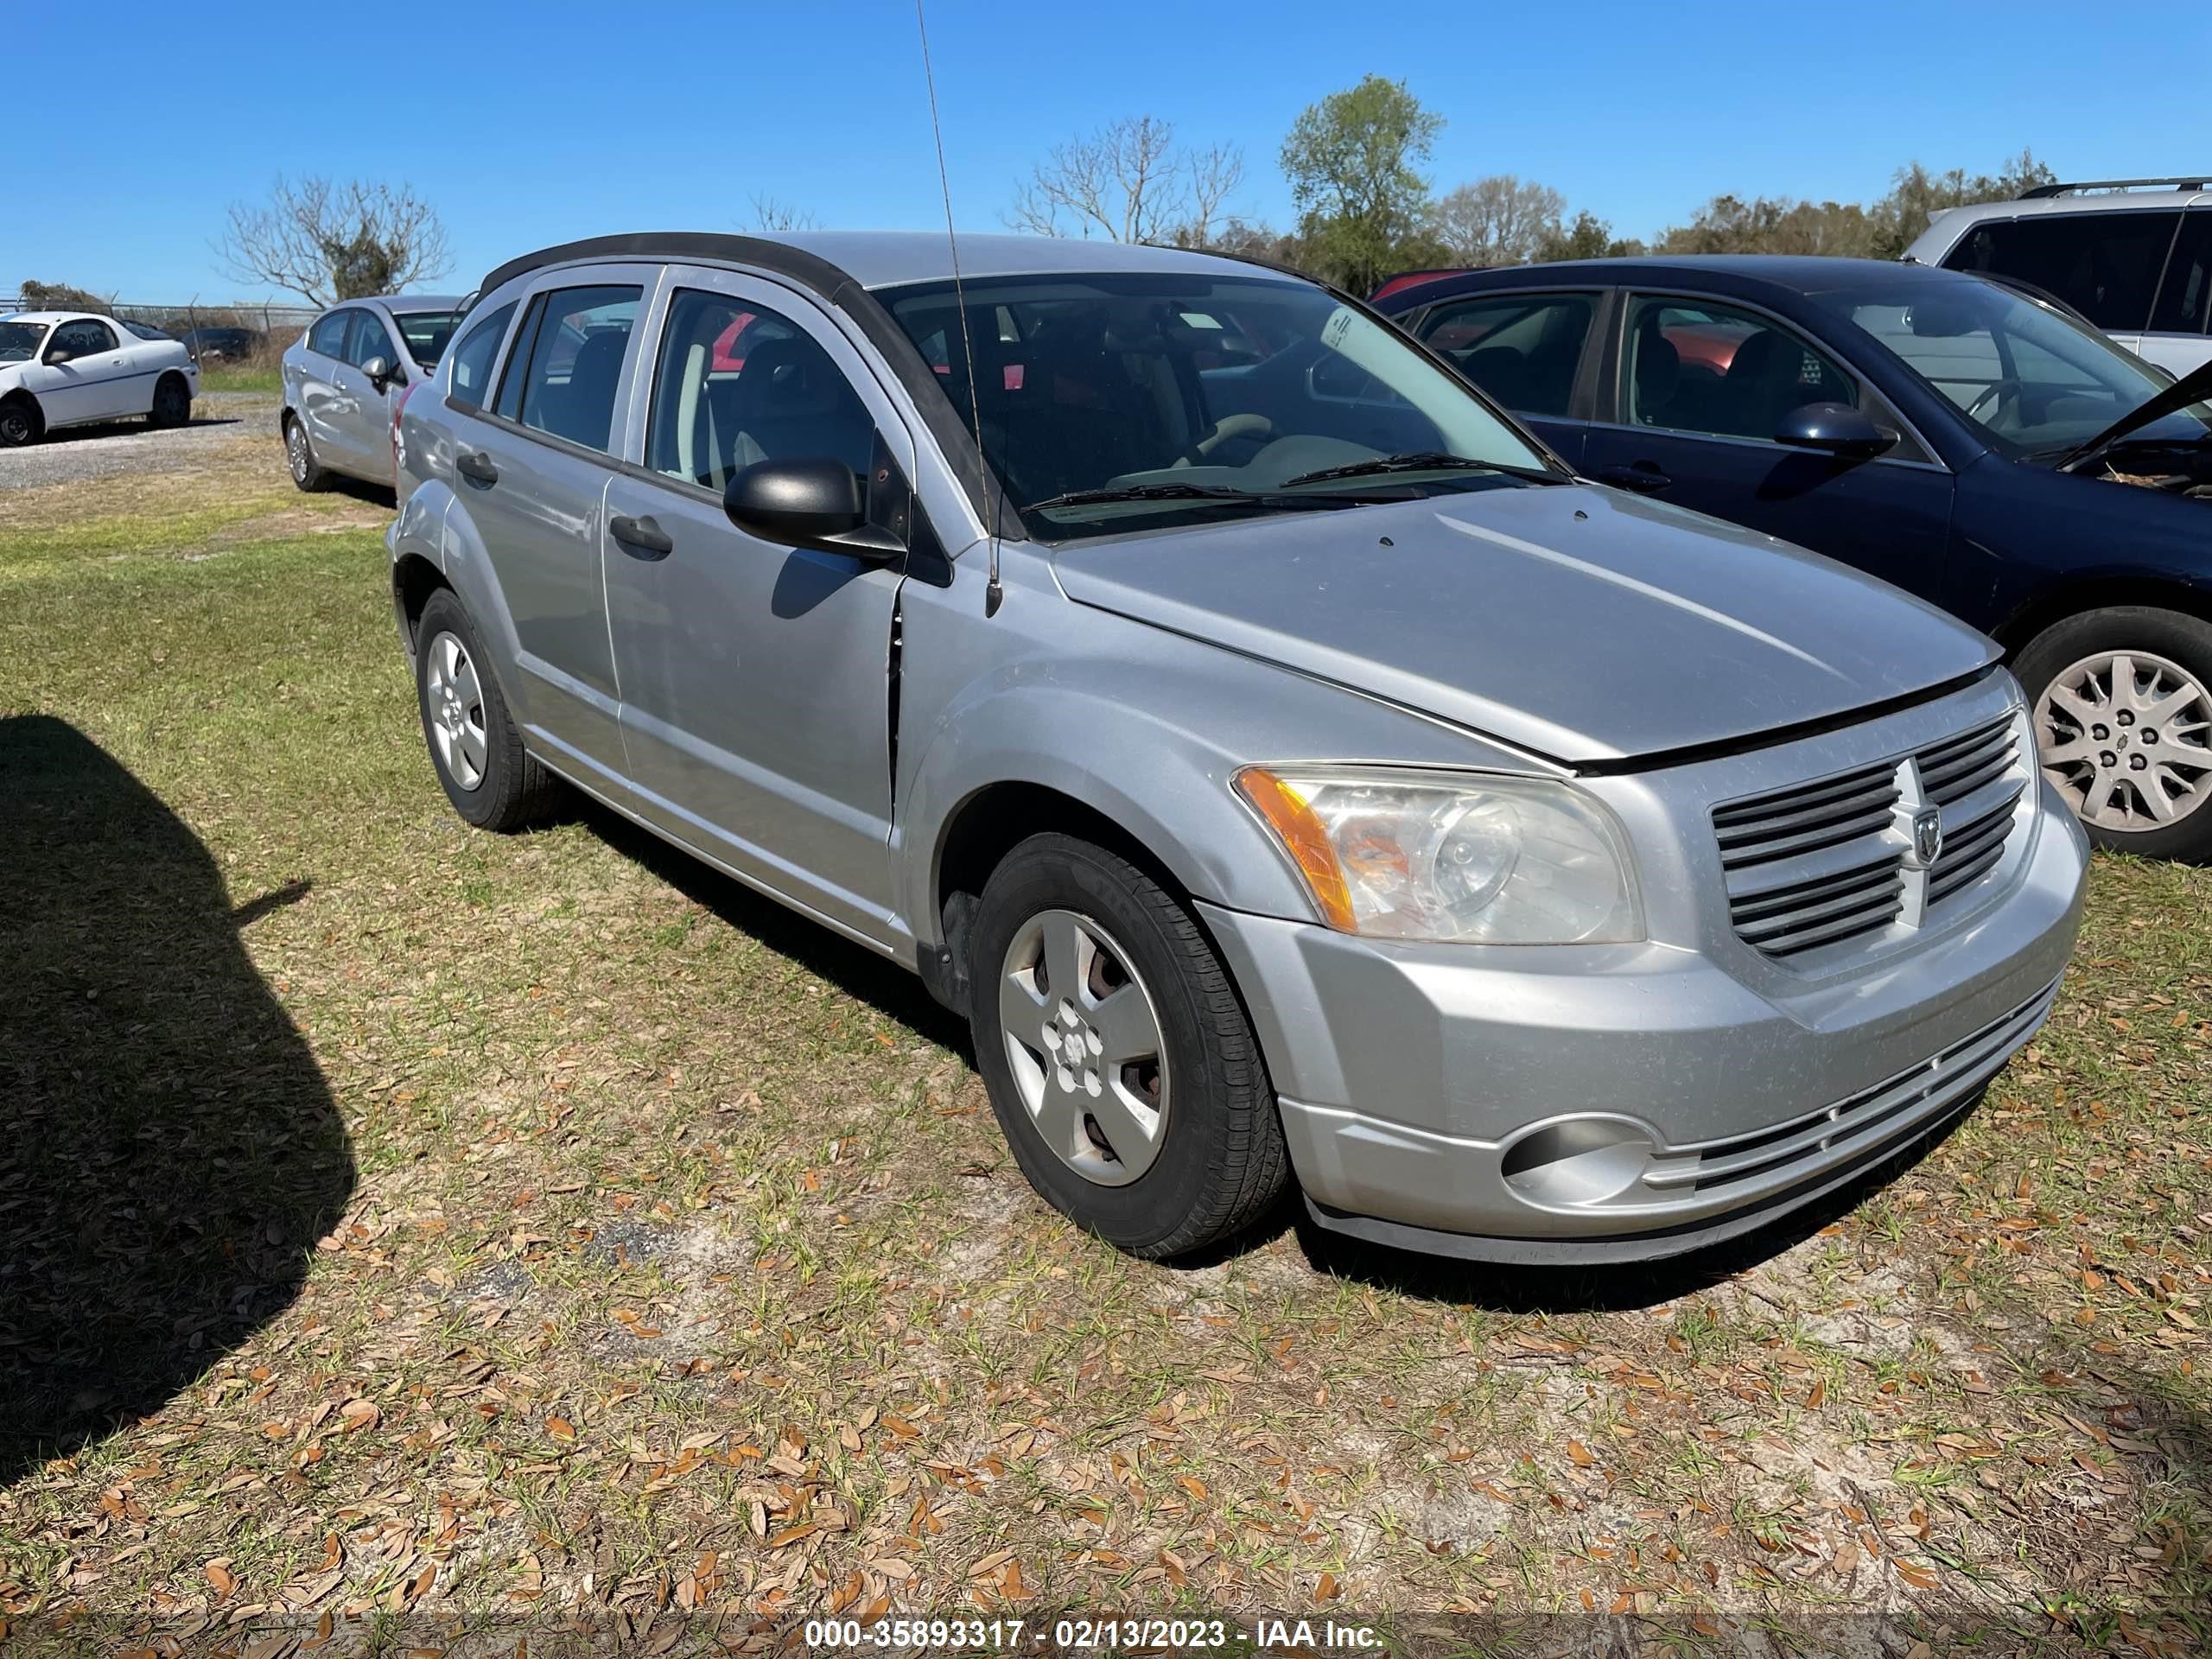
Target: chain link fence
x=275, y=326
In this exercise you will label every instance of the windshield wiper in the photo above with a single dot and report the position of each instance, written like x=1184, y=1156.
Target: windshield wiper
x=1226, y=494
x=2190, y=388
x=1425, y=460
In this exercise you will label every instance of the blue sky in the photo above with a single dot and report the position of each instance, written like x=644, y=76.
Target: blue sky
x=526, y=126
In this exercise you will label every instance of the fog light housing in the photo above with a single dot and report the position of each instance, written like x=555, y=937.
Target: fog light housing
x=1579, y=1161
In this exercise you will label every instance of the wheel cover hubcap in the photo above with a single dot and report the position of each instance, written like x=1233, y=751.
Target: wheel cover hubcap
x=2124, y=736
x=296, y=446
x=453, y=708
x=1082, y=1039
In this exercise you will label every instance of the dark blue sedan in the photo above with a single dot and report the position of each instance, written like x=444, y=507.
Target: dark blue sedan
x=1974, y=444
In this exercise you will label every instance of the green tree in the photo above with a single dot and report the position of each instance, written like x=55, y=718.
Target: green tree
x=1353, y=161
x=1774, y=224
x=1916, y=195
x=1588, y=238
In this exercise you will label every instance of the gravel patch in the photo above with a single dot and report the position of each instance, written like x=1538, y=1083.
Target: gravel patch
x=80, y=452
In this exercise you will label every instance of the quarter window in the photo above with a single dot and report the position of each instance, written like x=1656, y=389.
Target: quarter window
x=472, y=359
x=1695, y=366
x=327, y=337
x=2105, y=265
x=2183, y=295
x=738, y=382
x=1522, y=349
x=575, y=363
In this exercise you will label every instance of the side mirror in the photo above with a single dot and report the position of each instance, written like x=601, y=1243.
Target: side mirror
x=378, y=371
x=58, y=354
x=1833, y=430
x=807, y=503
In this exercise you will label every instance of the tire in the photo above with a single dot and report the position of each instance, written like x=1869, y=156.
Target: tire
x=1215, y=1160
x=492, y=780
x=172, y=401
x=299, y=457
x=2116, y=772
x=21, y=422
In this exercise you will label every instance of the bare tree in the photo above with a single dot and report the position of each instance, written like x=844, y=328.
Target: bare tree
x=1499, y=220
x=1129, y=182
x=327, y=242
x=770, y=214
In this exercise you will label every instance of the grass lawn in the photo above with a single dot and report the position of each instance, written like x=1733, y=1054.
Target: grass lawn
x=396, y=1217
x=270, y=379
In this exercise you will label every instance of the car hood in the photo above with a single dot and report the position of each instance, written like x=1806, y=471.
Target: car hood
x=1582, y=624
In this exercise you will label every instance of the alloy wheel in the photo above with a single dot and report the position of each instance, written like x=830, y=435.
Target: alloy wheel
x=2123, y=735
x=295, y=452
x=452, y=701
x=1084, y=1041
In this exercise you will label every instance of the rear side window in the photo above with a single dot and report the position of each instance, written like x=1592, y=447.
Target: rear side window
x=2183, y=296
x=1522, y=349
x=575, y=362
x=472, y=359
x=329, y=334
x=2105, y=265
x=738, y=384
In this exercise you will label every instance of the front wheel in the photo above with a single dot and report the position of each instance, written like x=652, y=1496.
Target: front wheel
x=1120, y=1063
x=20, y=421
x=2123, y=718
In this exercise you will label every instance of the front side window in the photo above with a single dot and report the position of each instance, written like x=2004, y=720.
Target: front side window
x=2034, y=381
x=426, y=334
x=1522, y=349
x=1699, y=366
x=368, y=340
x=83, y=337
x=2186, y=294
x=19, y=341
x=575, y=369
x=2105, y=265
x=1176, y=397
x=327, y=337
x=738, y=384
x=472, y=359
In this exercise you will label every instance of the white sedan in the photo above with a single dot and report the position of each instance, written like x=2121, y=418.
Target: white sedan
x=67, y=368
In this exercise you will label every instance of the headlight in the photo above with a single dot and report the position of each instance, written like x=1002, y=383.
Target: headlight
x=1446, y=856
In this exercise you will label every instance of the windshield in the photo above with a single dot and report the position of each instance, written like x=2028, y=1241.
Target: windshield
x=426, y=334
x=2035, y=381
x=1197, y=393
x=19, y=341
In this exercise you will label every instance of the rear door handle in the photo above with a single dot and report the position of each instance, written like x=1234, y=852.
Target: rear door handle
x=1643, y=478
x=642, y=537
x=476, y=467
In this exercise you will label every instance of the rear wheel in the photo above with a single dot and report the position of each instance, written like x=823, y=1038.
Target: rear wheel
x=1120, y=1063
x=299, y=456
x=172, y=401
x=2123, y=718
x=492, y=780
x=21, y=422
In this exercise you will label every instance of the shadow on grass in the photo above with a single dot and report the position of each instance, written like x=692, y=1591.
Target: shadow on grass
x=168, y=1151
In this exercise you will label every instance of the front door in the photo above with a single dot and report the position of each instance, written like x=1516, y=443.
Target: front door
x=531, y=475
x=88, y=385
x=361, y=410
x=755, y=676
x=1704, y=385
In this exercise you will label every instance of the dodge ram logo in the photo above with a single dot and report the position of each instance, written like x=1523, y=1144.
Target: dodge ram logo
x=1927, y=837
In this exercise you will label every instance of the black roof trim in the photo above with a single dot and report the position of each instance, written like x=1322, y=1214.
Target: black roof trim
x=834, y=286
x=2185, y=181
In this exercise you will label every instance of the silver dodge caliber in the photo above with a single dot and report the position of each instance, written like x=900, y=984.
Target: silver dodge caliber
x=1290, y=769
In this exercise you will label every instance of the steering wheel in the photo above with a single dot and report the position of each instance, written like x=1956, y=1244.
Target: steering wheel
x=1995, y=391
x=1228, y=427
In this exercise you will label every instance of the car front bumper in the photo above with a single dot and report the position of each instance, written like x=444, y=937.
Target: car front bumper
x=1625, y=1103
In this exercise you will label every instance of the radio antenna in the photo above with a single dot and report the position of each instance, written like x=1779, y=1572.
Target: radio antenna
x=994, y=595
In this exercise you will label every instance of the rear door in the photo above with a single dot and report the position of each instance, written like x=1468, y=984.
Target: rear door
x=755, y=675
x=531, y=471
x=2105, y=265
x=2179, y=338
x=320, y=357
x=1526, y=349
x=1698, y=391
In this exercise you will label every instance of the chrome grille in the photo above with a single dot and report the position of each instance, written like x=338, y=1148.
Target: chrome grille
x=1829, y=860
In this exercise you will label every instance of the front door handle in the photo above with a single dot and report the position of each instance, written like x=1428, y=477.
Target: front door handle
x=1644, y=478
x=641, y=537
x=476, y=467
